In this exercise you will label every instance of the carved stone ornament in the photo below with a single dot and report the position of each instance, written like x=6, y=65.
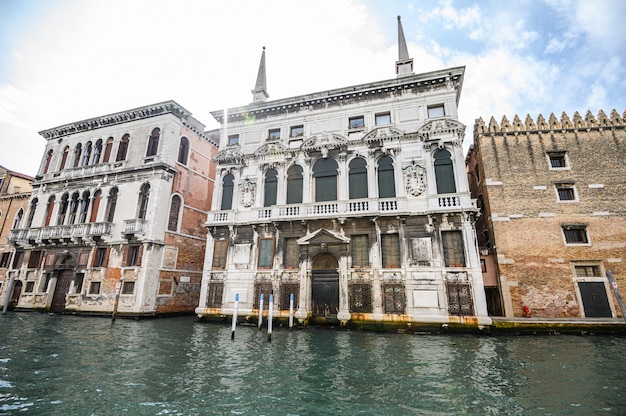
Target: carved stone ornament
x=248, y=192
x=414, y=179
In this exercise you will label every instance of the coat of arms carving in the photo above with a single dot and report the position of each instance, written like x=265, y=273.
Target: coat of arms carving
x=248, y=192
x=414, y=180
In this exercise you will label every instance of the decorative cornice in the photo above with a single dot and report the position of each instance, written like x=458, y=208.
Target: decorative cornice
x=327, y=141
x=435, y=129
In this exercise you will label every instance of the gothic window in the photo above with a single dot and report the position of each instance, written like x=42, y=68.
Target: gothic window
x=390, y=244
x=294, y=185
x=228, y=186
x=172, y=224
x=78, y=150
x=111, y=204
x=18, y=219
x=66, y=151
x=107, y=150
x=31, y=212
x=183, y=150
x=220, y=251
x=360, y=250
x=386, y=178
x=95, y=205
x=142, y=203
x=153, y=142
x=73, y=208
x=87, y=154
x=266, y=252
x=444, y=172
x=453, y=248
x=47, y=163
x=84, y=207
x=49, y=209
x=291, y=254
x=122, y=149
x=325, y=174
x=271, y=185
x=97, y=151
x=357, y=178
x=63, y=209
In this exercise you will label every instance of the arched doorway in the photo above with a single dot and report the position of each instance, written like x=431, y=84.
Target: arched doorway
x=65, y=275
x=15, y=296
x=325, y=286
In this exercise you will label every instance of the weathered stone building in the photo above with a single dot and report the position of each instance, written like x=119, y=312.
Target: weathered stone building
x=551, y=194
x=15, y=190
x=118, y=207
x=354, y=200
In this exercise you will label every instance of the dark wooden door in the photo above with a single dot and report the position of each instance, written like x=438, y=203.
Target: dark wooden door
x=595, y=301
x=64, y=280
x=325, y=292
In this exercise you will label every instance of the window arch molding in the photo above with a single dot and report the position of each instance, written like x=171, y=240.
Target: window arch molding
x=444, y=171
x=294, y=184
x=153, y=142
x=357, y=178
x=142, y=202
x=175, y=212
x=386, y=177
x=183, y=150
x=325, y=172
x=228, y=188
x=270, y=189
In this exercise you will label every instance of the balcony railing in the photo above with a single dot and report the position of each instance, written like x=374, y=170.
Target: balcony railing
x=60, y=232
x=349, y=208
x=134, y=226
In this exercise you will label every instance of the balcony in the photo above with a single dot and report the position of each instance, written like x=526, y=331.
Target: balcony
x=349, y=208
x=60, y=233
x=133, y=228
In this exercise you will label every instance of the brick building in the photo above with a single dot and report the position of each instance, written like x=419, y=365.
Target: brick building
x=551, y=193
x=118, y=205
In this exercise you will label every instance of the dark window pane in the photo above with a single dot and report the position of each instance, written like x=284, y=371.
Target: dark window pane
x=390, y=250
x=453, y=248
x=271, y=186
x=444, y=173
x=360, y=251
x=266, y=252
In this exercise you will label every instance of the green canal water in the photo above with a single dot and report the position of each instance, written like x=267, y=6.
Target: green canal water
x=67, y=365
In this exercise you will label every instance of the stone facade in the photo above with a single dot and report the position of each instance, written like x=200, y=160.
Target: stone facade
x=118, y=208
x=551, y=194
x=354, y=201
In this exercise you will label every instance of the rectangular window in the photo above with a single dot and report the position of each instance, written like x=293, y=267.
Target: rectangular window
x=265, y=289
x=292, y=256
x=214, y=295
x=128, y=288
x=566, y=192
x=296, y=131
x=78, y=282
x=360, y=251
x=94, y=288
x=587, y=271
x=4, y=260
x=33, y=261
x=30, y=286
x=558, y=160
x=390, y=250
x=383, y=119
x=273, y=134
x=393, y=298
x=435, y=111
x=360, y=296
x=356, y=122
x=132, y=259
x=286, y=290
x=220, y=251
x=575, y=234
x=100, y=257
x=453, y=248
x=17, y=259
x=233, y=139
x=266, y=252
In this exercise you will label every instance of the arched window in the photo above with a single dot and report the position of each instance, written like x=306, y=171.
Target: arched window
x=46, y=166
x=73, y=208
x=153, y=142
x=325, y=174
x=183, y=150
x=31, y=212
x=78, y=150
x=357, y=178
x=17, y=221
x=142, y=203
x=386, y=178
x=122, y=150
x=49, y=209
x=111, y=204
x=444, y=172
x=172, y=224
x=97, y=151
x=95, y=205
x=228, y=185
x=271, y=186
x=107, y=150
x=63, y=209
x=66, y=152
x=294, y=185
x=84, y=207
x=87, y=155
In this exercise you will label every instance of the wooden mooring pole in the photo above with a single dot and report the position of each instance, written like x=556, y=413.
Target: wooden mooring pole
x=609, y=275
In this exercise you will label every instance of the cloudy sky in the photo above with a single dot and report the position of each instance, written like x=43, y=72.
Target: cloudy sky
x=67, y=60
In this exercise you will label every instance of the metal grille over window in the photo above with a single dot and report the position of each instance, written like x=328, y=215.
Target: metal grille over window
x=460, y=301
x=393, y=298
x=286, y=289
x=214, y=295
x=264, y=288
x=360, y=297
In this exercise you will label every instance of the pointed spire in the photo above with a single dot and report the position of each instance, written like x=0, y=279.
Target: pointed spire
x=404, y=64
x=259, y=93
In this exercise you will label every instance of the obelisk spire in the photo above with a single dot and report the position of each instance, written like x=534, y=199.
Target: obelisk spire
x=404, y=64
x=259, y=93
